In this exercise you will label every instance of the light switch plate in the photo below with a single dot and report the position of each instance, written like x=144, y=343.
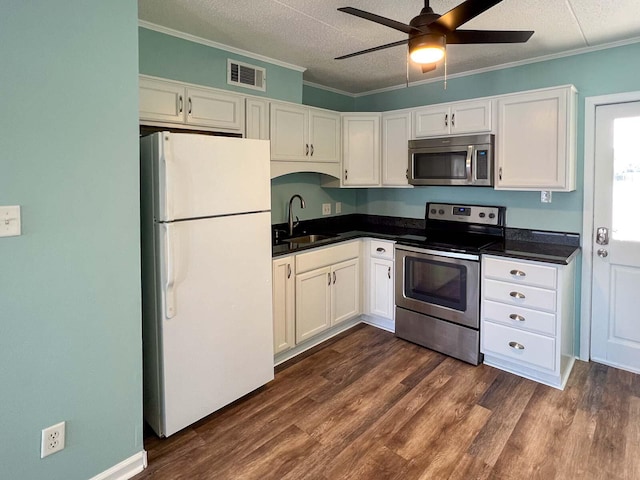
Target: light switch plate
x=326, y=209
x=10, y=221
x=338, y=207
x=545, y=196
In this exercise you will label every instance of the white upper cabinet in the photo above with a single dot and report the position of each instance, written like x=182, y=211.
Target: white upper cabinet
x=161, y=101
x=301, y=133
x=257, y=118
x=452, y=118
x=165, y=101
x=396, y=132
x=536, y=140
x=361, y=149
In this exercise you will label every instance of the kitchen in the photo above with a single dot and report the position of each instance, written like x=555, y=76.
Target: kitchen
x=78, y=98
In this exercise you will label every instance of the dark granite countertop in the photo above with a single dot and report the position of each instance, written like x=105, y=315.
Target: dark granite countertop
x=543, y=246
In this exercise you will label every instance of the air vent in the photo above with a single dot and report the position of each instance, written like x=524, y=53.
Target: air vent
x=245, y=75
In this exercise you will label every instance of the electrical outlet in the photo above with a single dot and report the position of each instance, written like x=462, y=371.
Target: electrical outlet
x=338, y=207
x=545, y=196
x=52, y=439
x=326, y=209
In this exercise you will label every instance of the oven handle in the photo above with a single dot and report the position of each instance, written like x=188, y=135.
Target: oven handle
x=460, y=255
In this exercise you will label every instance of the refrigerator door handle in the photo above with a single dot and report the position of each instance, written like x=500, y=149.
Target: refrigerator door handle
x=169, y=291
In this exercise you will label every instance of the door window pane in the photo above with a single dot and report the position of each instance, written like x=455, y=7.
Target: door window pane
x=626, y=179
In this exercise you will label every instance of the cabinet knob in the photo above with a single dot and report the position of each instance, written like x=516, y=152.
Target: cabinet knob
x=453, y=119
x=517, y=295
x=190, y=106
x=334, y=278
x=312, y=149
x=500, y=173
x=516, y=346
x=389, y=273
x=446, y=120
x=518, y=273
x=380, y=250
x=307, y=151
x=346, y=174
x=288, y=270
x=515, y=316
x=180, y=104
x=329, y=278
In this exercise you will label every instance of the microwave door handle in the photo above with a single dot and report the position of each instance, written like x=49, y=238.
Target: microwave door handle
x=470, y=150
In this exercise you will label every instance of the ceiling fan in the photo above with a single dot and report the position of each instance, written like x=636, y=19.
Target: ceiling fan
x=429, y=33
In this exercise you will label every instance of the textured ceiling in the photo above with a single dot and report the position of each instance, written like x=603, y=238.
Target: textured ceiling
x=311, y=33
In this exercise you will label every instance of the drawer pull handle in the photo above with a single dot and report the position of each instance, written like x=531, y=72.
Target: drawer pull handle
x=518, y=273
x=380, y=250
x=517, y=295
x=516, y=345
x=515, y=316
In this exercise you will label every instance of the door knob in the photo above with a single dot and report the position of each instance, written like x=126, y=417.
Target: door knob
x=602, y=253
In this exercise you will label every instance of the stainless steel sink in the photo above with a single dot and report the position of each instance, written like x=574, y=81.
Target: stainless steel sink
x=309, y=238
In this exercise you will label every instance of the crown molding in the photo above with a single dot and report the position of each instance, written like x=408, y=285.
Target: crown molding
x=329, y=89
x=219, y=46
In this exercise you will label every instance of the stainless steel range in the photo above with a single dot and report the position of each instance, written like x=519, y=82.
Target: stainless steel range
x=438, y=278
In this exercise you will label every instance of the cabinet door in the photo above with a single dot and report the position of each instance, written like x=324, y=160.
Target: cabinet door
x=381, y=301
x=313, y=303
x=535, y=141
x=345, y=291
x=161, y=101
x=324, y=136
x=396, y=132
x=215, y=109
x=289, y=136
x=471, y=117
x=283, y=304
x=361, y=149
x=431, y=121
x=257, y=119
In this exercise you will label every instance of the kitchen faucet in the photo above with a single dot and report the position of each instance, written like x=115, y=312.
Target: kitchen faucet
x=292, y=225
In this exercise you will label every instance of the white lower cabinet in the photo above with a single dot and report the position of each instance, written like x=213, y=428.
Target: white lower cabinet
x=380, y=298
x=283, y=304
x=528, y=318
x=327, y=288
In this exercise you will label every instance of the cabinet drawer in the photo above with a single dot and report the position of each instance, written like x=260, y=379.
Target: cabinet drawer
x=520, y=295
x=327, y=256
x=539, y=351
x=518, y=317
x=520, y=272
x=381, y=249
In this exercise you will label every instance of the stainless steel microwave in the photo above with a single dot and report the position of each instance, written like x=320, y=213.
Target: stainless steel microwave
x=466, y=160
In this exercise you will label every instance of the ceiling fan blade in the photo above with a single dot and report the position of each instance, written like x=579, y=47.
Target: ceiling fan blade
x=428, y=67
x=488, y=36
x=374, y=49
x=464, y=12
x=387, y=22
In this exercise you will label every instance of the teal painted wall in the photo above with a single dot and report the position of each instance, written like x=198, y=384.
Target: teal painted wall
x=319, y=97
x=70, y=330
x=307, y=185
x=170, y=57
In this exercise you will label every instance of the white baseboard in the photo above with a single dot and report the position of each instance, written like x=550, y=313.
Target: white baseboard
x=126, y=469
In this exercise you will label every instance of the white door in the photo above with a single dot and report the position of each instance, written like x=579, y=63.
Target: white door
x=361, y=149
x=203, y=176
x=615, y=336
x=313, y=303
x=381, y=292
x=216, y=325
x=324, y=136
x=396, y=132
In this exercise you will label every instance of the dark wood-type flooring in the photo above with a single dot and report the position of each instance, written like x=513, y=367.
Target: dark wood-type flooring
x=366, y=405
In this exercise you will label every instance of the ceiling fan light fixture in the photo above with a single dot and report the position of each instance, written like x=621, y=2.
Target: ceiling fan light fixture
x=427, y=48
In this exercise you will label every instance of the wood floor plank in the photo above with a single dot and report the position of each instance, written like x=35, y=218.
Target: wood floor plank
x=369, y=406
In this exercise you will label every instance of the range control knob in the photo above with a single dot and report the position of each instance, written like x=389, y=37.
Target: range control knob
x=492, y=215
x=441, y=212
x=482, y=215
x=433, y=211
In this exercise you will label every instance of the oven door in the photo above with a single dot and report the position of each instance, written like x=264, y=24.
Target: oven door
x=444, y=285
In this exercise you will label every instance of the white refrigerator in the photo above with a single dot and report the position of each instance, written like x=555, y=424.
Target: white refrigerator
x=206, y=274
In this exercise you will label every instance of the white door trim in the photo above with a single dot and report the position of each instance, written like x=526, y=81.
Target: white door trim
x=591, y=103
